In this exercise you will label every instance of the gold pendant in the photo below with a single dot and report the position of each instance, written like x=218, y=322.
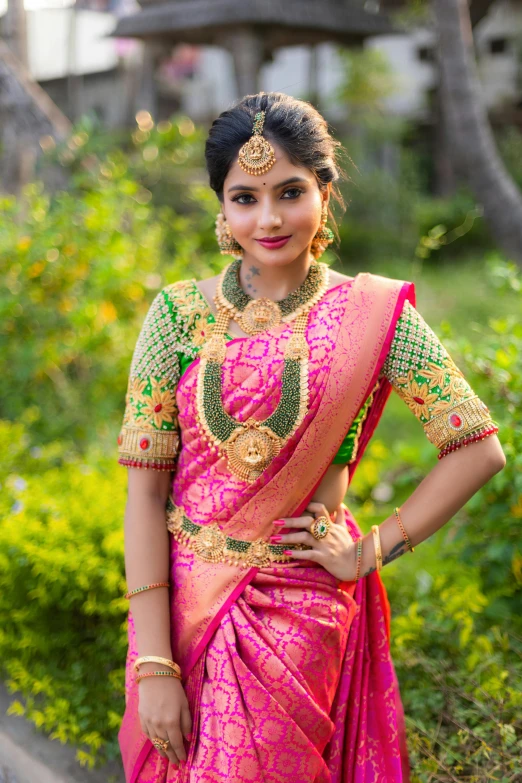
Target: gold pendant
x=258, y=555
x=210, y=543
x=250, y=449
x=260, y=314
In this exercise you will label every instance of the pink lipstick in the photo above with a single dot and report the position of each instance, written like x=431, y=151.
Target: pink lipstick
x=273, y=242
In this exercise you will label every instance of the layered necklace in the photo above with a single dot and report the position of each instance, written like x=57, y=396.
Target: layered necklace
x=251, y=446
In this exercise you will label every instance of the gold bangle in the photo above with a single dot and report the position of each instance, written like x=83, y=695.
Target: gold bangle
x=377, y=545
x=359, y=558
x=146, y=587
x=157, y=674
x=404, y=533
x=156, y=659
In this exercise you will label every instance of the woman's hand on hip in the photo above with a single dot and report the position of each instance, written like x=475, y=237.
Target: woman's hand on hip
x=336, y=551
x=164, y=713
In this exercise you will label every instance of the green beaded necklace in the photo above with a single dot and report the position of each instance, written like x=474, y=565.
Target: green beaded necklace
x=252, y=445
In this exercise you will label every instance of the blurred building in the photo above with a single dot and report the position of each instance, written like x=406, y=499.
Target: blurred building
x=84, y=66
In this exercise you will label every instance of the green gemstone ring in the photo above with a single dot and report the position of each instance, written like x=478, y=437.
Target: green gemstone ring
x=320, y=527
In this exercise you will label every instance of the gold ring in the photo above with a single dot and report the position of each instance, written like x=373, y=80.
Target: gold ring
x=161, y=744
x=320, y=527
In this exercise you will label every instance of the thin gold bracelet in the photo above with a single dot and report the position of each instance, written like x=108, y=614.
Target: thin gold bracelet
x=157, y=674
x=404, y=533
x=359, y=558
x=156, y=659
x=146, y=587
x=377, y=545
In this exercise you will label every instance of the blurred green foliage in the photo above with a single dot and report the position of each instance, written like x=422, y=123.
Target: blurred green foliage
x=63, y=633
x=78, y=269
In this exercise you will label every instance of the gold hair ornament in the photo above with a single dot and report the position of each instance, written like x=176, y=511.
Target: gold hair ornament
x=257, y=155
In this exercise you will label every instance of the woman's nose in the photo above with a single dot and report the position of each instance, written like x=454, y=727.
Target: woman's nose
x=269, y=217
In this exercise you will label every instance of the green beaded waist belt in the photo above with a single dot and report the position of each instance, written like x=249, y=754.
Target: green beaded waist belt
x=211, y=544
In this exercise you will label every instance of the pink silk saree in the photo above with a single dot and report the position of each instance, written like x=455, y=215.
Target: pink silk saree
x=287, y=670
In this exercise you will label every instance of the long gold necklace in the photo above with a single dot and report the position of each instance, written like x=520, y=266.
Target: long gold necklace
x=251, y=446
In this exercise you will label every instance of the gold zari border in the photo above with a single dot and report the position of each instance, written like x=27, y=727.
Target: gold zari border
x=473, y=414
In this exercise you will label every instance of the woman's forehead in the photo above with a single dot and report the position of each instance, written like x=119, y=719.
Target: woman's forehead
x=282, y=169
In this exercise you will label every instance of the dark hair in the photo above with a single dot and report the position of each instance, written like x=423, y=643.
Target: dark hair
x=295, y=125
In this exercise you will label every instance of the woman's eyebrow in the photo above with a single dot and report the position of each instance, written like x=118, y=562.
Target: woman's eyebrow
x=279, y=184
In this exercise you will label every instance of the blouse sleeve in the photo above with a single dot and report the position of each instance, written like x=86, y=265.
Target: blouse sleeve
x=426, y=378
x=149, y=437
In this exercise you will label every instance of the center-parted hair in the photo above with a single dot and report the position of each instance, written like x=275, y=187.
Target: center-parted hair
x=294, y=125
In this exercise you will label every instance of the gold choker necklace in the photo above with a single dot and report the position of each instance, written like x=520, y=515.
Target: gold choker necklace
x=257, y=315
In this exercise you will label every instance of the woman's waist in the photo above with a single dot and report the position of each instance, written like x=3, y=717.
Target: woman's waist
x=212, y=543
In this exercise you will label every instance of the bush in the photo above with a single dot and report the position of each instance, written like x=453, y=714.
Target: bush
x=63, y=637
x=78, y=271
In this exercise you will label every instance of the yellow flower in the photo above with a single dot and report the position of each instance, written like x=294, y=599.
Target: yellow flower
x=435, y=374
x=201, y=333
x=160, y=407
x=417, y=396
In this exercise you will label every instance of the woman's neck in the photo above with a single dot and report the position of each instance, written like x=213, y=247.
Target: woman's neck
x=273, y=282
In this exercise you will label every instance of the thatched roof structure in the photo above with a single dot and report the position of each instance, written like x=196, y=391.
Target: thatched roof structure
x=251, y=30
x=281, y=22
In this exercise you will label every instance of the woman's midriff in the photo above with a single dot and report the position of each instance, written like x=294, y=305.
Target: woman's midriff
x=333, y=487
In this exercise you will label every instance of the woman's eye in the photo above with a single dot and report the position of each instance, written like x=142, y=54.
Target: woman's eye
x=243, y=195
x=296, y=191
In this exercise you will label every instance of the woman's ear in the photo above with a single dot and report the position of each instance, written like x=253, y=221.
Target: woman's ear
x=326, y=193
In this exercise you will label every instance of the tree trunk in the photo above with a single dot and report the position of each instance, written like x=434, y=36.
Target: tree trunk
x=470, y=132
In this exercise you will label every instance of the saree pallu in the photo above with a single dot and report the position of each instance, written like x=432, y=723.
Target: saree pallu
x=287, y=669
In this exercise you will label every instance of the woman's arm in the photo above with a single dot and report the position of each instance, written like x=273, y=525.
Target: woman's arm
x=147, y=561
x=163, y=706
x=446, y=488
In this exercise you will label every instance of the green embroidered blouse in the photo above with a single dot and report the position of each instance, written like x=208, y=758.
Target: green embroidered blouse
x=179, y=322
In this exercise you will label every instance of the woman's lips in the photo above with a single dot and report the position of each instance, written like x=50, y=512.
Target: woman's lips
x=273, y=244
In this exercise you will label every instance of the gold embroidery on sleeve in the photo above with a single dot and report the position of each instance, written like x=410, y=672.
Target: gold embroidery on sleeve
x=433, y=387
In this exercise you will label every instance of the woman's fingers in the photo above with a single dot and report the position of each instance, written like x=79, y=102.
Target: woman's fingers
x=298, y=521
x=176, y=741
x=303, y=537
x=162, y=733
x=186, y=723
x=319, y=510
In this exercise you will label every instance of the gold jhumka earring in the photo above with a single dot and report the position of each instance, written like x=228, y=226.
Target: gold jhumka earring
x=228, y=246
x=323, y=237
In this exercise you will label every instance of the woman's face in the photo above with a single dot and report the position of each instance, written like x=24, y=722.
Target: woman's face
x=284, y=202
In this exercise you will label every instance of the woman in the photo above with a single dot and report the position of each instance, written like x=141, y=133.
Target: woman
x=252, y=396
